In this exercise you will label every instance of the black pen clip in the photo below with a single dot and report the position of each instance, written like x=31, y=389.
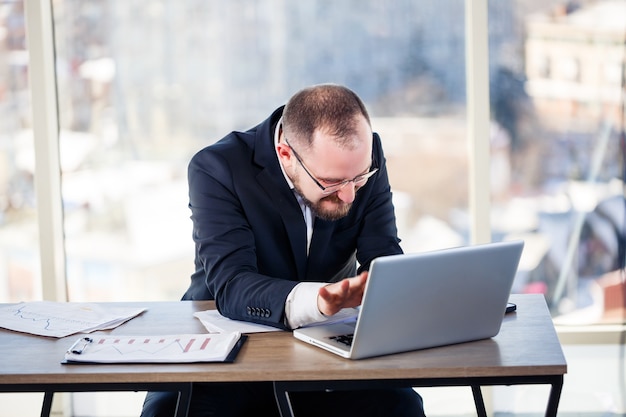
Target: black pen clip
x=80, y=345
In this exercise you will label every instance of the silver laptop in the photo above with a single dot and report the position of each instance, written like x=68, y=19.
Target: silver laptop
x=423, y=300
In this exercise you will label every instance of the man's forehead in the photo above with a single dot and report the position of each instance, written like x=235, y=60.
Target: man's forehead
x=334, y=160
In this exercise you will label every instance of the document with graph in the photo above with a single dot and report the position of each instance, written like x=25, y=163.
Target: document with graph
x=60, y=319
x=183, y=348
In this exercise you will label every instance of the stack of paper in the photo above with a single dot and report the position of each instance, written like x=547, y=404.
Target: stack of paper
x=48, y=318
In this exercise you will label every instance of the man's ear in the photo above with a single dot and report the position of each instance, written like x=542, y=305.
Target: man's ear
x=283, y=150
x=285, y=154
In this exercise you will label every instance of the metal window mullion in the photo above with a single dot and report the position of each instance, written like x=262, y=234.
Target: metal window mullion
x=478, y=118
x=40, y=37
x=478, y=122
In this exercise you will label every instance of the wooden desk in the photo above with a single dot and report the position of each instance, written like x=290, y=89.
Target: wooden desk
x=526, y=351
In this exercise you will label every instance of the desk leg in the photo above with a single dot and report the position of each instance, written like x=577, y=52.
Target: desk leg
x=47, y=404
x=478, y=401
x=184, y=398
x=282, y=399
x=555, y=396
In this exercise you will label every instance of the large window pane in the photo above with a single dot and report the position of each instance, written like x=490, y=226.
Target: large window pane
x=134, y=111
x=557, y=100
x=19, y=245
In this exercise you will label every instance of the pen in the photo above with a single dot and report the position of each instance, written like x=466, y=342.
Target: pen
x=74, y=348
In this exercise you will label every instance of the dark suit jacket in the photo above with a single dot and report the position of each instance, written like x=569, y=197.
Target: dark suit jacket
x=250, y=235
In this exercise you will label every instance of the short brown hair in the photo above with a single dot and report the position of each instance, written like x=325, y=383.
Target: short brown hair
x=330, y=107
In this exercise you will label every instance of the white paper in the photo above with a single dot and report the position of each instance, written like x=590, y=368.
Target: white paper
x=344, y=315
x=183, y=348
x=58, y=319
x=214, y=322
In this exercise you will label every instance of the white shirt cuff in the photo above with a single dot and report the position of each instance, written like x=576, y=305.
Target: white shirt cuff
x=301, y=305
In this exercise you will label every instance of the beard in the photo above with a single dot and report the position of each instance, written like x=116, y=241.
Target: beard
x=339, y=210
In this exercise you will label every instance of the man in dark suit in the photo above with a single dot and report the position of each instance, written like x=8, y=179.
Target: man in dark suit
x=282, y=216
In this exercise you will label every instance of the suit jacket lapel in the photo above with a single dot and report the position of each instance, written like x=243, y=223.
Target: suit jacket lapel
x=272, y=181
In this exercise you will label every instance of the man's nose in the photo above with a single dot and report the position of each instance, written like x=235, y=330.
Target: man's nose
x=347, y=193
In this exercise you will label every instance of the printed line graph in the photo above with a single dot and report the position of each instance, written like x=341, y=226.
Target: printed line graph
x=59, y=319
x=46, y=322
x=152, y=349
x=149, y=346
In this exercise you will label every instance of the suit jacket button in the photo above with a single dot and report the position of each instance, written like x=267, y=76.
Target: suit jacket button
x=248, y=310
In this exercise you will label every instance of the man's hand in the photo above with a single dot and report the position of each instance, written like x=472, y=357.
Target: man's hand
x=343, y=294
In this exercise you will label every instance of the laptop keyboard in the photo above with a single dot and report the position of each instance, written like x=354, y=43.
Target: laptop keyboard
x=346, y=339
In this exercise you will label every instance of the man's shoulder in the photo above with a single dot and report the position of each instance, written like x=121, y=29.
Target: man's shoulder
x=229, y=147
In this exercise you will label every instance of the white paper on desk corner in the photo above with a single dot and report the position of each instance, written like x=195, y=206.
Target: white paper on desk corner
x=60, y=319
x=214, y=322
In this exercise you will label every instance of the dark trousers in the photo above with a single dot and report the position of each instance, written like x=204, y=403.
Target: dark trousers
x=248, y=399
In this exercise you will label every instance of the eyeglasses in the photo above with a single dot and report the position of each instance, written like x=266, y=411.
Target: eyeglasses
x=359, y=180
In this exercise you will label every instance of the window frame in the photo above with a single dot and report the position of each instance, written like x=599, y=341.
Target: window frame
x=44, y=99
